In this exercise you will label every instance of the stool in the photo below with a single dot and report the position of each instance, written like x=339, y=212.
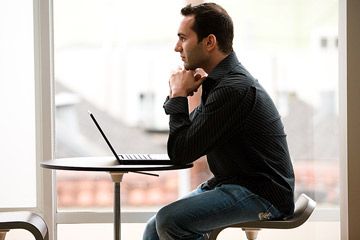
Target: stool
x=23, y=220
x=304, y=206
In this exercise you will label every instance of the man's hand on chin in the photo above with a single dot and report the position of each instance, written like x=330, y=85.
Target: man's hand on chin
x=184, y=83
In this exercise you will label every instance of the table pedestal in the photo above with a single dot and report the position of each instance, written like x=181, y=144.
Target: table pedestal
x=117, y=178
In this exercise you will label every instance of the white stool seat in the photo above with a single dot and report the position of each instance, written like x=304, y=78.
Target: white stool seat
x=304, y=206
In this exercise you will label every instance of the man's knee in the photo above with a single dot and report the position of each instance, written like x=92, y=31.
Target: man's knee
x=165, y=219
x=173, y=222
x=150, y=230
x=163, y=225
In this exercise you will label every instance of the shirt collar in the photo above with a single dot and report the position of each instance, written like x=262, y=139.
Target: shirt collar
x=224, y=67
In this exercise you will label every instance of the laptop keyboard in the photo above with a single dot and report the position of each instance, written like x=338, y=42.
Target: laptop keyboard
x=135, y=157
x=138, y=156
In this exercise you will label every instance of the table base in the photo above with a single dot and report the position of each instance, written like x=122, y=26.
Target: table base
x=117, y=178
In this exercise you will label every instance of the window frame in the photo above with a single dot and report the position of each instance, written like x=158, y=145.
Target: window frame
x=43, y=106
x=349, y=92
x=44, y=102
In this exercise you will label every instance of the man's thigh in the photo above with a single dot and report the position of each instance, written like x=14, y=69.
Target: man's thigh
x=205, y=210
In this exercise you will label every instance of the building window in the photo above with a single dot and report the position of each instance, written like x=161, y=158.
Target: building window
x=324, y=42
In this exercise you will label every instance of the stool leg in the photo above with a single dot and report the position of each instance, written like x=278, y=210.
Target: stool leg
x=3, y=234
x=251, y=233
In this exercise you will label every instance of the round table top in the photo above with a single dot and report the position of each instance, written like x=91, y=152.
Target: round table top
x=106, y=163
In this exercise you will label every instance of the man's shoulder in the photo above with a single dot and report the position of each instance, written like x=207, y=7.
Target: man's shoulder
x=237, y=80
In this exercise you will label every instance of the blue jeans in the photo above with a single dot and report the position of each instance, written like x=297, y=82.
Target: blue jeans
x=203, y=210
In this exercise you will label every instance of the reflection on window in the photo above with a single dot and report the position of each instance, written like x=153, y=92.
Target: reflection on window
x=116, y=64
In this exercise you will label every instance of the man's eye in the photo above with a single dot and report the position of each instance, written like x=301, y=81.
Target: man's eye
x=182, y=39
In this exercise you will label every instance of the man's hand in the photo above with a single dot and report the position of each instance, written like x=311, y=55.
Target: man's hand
x=184, y=83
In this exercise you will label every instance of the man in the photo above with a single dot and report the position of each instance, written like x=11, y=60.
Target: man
x=236, y=126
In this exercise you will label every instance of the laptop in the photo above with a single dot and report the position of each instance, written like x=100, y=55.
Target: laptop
x=134, y=159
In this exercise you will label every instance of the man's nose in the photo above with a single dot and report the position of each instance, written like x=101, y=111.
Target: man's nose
x=178, y=48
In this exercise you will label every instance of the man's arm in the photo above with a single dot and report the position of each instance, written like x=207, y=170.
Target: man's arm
x=214, y=124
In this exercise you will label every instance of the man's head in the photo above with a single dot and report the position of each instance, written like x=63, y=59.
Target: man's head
x=211, y=18
x=206, y=29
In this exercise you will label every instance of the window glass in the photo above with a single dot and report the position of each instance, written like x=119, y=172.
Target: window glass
x=115, y=61
x=17, y=104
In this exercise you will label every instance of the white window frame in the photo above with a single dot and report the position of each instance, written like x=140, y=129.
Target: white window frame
x=44, y=110
x=349, y=92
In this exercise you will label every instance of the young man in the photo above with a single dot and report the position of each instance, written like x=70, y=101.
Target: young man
x=236, y=126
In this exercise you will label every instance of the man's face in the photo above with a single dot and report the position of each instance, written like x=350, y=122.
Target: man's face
x=192, y=53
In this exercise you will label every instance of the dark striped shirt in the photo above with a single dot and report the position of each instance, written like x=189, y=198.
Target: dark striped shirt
x=239, y=129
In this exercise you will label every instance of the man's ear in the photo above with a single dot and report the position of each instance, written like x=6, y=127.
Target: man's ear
x=210, y=42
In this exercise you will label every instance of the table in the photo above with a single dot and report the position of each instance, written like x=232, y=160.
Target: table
x=110, y=165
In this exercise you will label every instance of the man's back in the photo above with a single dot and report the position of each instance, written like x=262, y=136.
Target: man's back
x=252, y=150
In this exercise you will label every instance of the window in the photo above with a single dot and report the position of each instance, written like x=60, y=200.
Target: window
x=115, y=61
x=117, y=69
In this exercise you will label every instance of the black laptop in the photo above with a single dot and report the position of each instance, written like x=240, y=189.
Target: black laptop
x=134, y=159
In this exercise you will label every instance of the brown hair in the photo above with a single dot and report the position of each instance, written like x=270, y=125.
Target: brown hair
x=211, y=18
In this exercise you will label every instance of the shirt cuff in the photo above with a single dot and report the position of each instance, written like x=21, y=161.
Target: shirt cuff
x=176, y=105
